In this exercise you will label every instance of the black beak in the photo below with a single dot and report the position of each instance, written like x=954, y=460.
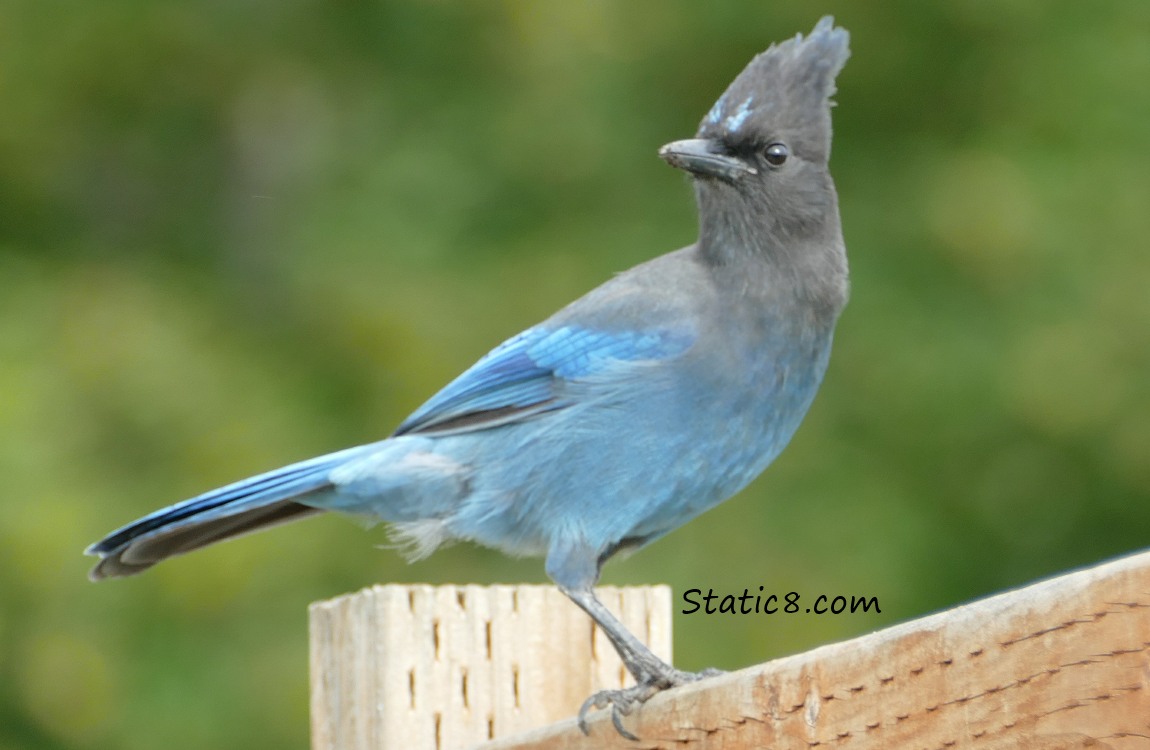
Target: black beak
x=703, y=157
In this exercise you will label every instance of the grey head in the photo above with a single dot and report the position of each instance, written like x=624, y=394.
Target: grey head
x=760, y=156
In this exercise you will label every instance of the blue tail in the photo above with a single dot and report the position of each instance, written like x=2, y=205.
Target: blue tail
x=245, y=506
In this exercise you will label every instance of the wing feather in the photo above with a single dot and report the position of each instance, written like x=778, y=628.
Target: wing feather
x=524, y=376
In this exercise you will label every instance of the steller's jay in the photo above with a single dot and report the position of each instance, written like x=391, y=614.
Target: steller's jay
x=630, y=411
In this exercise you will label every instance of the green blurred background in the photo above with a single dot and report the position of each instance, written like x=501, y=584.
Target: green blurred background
x=237, y=234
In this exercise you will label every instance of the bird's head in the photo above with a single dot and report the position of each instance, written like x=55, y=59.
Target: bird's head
x=761, y=152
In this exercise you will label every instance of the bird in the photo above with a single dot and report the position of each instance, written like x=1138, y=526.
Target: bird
x=627, y=413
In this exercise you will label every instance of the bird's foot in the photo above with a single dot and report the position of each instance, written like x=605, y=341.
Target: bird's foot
x=623, y=702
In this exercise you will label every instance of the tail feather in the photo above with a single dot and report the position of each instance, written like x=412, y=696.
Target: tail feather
x=239, y=508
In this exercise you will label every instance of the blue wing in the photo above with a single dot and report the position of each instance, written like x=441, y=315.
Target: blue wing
x=524, y=376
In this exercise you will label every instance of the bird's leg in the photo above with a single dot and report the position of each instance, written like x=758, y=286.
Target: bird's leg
x=651, y=673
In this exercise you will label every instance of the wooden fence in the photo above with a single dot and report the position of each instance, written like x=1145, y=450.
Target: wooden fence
x=1063, y=663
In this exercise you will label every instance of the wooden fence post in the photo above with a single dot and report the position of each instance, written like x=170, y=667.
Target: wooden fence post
x=438, y=668
x=1064, y=663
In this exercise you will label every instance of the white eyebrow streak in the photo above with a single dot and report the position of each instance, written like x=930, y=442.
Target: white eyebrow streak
x=716, y=112
x=735, y=121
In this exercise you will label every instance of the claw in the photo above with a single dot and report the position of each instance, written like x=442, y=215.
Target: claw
x=617, y=720
x=623, y=702
x=582, y=718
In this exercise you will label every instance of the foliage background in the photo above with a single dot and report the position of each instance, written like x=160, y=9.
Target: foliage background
x=236, y=234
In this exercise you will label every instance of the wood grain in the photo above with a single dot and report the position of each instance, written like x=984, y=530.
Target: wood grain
x=442, y=667
x=1060, y=664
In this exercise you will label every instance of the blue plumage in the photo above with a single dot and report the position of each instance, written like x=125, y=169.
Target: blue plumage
x=628, y=412
x=525, y=375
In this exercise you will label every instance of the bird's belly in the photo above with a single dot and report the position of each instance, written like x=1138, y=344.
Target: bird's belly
x=636, y=466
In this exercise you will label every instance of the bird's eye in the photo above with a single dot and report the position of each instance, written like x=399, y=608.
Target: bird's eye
x=776, y=154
